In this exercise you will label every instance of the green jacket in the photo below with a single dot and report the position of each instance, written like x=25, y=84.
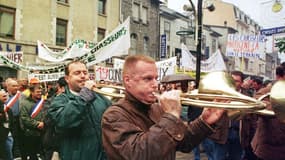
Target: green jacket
x=79, y=124
x=28, y=124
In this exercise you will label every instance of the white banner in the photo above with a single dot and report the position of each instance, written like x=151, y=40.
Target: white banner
x=249, y=46
x=52, y=76
x=108, y=74
x=77, y=49
x=213, y=63
x=47, y=77
x=115, y=44
x=164, y=67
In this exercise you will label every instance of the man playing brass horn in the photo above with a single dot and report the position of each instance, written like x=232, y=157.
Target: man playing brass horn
x=268, y=141
x=138, y=127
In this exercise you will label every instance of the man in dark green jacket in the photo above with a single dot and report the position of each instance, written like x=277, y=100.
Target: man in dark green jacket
x=31, y=122
x=77, y=115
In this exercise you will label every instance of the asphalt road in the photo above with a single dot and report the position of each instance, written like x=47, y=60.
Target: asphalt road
x=189, y=156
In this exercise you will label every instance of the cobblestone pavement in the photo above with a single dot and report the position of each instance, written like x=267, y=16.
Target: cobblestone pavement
x=189, y=156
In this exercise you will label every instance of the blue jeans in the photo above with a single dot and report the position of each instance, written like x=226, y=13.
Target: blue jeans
x=196, y=152
x=9, y=147
x=214, y=151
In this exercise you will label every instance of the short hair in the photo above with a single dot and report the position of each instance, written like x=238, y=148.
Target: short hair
x=66, y=69
x=61, y=82
x=258, y=81
x=33, y=87
x=282, y=64
x=238, y=73
x=280, y=71
x=266, y=82
x=132, y=60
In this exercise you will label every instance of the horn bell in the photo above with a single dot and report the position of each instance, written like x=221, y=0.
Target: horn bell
x=220, y=85
x=277, y=99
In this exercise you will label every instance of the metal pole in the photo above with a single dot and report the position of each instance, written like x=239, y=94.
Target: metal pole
x=199, y=35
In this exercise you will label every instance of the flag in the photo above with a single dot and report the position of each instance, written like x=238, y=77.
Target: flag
x=10, y=103
x=37, y=108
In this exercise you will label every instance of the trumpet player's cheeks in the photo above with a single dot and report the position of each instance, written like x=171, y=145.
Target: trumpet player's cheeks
x=143, y=83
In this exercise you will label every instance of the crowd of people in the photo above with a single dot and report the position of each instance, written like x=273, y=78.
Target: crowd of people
x=71, y=119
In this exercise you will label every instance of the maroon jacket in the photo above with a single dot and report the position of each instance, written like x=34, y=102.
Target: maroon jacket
x=268, y=141
x=221, y=130
x=132, y=130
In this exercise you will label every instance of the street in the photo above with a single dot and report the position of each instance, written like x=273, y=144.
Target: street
x=189, y=156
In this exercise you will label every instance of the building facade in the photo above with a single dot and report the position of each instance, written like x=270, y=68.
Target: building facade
x=144, y=25
x=178, y=28
x=55, y=23
x=227, y=15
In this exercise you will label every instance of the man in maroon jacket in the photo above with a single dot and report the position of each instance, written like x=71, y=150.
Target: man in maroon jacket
x=137, y=127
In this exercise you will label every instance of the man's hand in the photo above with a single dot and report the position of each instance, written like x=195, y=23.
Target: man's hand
x=212, y=115
x=170, y=102
x=41, y=125
x=90, y=84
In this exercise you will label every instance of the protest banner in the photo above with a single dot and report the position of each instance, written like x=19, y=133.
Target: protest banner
x=213, y=63
x=164, y=67
x=249, y=46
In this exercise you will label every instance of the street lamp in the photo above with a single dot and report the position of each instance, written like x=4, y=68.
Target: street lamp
x=198, y=36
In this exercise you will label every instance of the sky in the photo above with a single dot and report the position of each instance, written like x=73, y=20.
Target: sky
x=259, y=10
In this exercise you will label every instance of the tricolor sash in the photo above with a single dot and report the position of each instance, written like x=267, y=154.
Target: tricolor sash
x=10, y=103
x=37, y=108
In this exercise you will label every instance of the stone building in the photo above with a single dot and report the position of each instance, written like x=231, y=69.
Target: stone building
x=55, y=23
x=144, y=25
x=228, y=16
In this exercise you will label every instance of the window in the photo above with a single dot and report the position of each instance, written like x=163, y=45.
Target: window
x=167, y=29
x=61, y=32
x=63, y=1
x=145, y=44
x=7, y=22
x=144, y=15
x=102, y=6
x=136, y=10
x=100, y=34
x=133, y=48
x=235, y=12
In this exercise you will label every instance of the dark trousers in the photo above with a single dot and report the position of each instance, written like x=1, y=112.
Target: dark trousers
x=18, y=148
x=3, y=137
x=248, y=154
x=32, y=147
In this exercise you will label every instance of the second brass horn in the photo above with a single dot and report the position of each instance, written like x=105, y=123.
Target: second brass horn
x=220, y=85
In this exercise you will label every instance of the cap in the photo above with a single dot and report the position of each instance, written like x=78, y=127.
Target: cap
x=34, y=80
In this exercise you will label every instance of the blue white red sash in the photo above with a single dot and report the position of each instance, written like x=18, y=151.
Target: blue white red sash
x=10, y=103
x=37, y=108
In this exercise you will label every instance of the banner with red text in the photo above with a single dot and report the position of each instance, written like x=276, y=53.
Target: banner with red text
x=248, y=46
x=164, y=67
